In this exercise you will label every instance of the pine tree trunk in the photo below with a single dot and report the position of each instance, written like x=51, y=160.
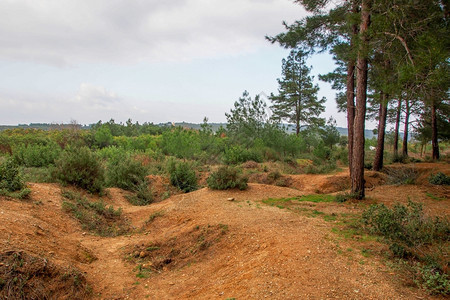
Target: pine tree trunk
x=378, y=162
x=405, y=133
x=397, y=127
x=350, y=110
x=297, y=117
x=351, y=94
x=434, y=132
x=357, y=176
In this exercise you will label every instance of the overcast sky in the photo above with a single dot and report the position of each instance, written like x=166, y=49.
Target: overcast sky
x=148, y=60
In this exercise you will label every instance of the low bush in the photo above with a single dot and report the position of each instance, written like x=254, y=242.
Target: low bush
x=274, y=176
x=36, y=155
x=11, y=182
x=324, y=167
x=10, y=178
x=95, y=216
x=25, y=276
x=236, y=155
x=322, y=152
x=80, y=167
x=37, y=174
x=183, y=176
x=227, y=178
x=439, y=179
x=410, y=234
x=401, y=175
x=343, y=197
x=368, y=166
x=399, y=158
x=433, y=280
x=124, y=172
x=341, y=154
x=142, y=194
x=405, y=227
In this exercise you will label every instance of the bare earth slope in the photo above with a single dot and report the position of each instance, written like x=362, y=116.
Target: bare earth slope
x=215, y=248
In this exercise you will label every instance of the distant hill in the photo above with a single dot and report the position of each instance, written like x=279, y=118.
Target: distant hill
x=215, y=126
x=290, y=128
x=43, y=126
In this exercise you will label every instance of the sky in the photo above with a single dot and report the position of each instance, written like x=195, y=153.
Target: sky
x=148, y=60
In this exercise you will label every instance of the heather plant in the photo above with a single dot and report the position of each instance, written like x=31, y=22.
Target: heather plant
x=80, y=167
x=225, y=178
x=183, y=176
x=439, y=179
x=401, y=175
x=11, y=182
x=124, y=172
x=94, y=216
x=413, y=236
x=142, y=194
x=36, y=155
x=237, y=155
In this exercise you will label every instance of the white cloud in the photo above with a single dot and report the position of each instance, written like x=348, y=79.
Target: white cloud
x=88, y=105
x=91, y=96
x=74, y=31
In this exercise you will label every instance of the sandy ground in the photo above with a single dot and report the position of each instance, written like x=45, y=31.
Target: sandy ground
x=253, y=251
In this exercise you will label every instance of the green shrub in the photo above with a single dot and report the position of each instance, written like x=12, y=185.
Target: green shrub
x=183, y=176
x=433, y=280
x=95, y=216
x=274, y=176
x=124, y=172
x=368, y=165
x=322, y=152
x=439, y=179
x=37, y=174
x=10, y=178
x=80, y=167
x=401, y=175
x=226, y=178
x=343, y=197
x=36, y=155
x=341, y=154
x=237, y=155
x=142, y=194
x=182, y=143
x=399, y=158
x=323, y=168
x=405, y=228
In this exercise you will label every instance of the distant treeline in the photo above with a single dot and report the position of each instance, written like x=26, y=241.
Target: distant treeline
x=214, y=126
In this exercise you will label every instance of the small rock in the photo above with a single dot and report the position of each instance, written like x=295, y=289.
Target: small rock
x=84, y=233
x=142, y=254
x=230, y=199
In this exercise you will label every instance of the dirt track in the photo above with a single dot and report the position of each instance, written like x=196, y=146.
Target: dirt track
x=265, y=252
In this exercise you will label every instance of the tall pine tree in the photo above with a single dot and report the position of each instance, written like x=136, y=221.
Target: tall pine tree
x=297, y=100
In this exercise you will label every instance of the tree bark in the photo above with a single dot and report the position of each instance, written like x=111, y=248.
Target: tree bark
x=351, y=94
x=405, y=131
x=397, y=127
x=378, y=162
x=350, y=110
x=434, y=132
x=357, y=177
